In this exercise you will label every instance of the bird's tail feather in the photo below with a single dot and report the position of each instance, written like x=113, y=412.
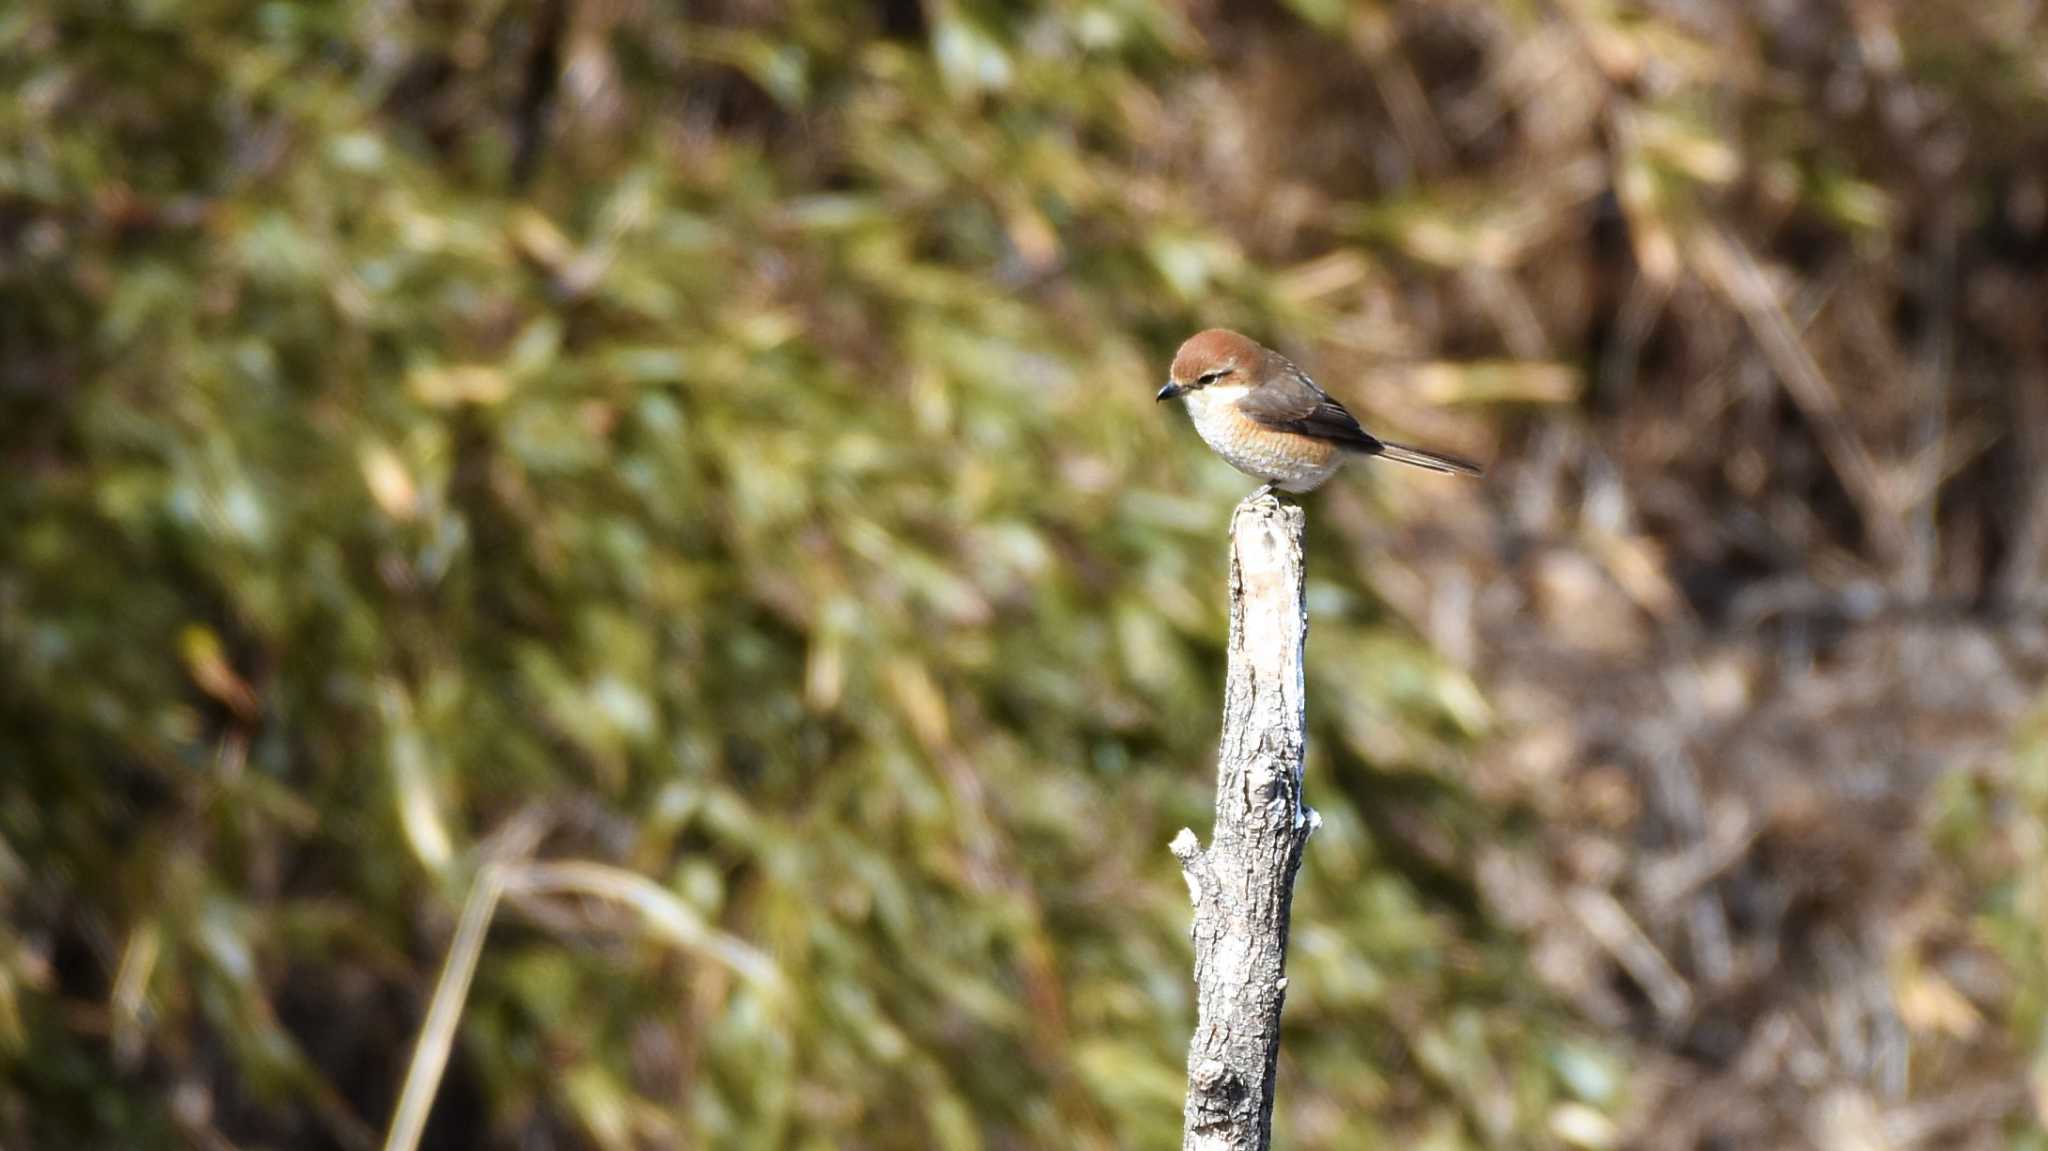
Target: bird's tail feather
x=1434, y=461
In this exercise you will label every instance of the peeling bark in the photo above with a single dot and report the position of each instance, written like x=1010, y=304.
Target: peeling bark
x=1243, y=882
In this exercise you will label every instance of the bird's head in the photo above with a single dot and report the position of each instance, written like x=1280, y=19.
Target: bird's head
x=1217, y=356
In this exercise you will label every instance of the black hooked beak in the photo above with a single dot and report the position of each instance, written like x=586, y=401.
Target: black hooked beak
x=1170, y=391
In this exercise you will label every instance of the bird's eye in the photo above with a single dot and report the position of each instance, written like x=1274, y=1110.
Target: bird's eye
x=1210, y=377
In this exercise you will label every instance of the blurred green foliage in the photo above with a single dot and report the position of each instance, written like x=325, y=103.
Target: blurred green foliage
x=757, y=485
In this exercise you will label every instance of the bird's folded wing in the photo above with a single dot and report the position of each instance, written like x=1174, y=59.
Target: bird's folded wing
x=1291, y=402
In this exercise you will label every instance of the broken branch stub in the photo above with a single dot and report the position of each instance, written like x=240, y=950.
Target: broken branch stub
x=1243, y=882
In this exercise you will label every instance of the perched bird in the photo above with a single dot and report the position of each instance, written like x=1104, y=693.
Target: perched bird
x=1270, y=421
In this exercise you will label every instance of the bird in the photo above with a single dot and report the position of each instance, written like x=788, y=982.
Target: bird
x=1269, y=420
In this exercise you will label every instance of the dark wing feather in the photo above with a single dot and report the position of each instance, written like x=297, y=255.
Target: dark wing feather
x=1291, y=402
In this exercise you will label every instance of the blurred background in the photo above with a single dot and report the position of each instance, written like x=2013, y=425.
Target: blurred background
x=700, y=459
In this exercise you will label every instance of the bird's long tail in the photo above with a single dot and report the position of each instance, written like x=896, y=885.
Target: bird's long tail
x=1434, y=461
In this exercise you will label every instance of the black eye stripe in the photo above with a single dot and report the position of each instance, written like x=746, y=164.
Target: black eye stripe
x=1211, y=377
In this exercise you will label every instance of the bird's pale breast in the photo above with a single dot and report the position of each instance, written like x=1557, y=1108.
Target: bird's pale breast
x=1294, y=463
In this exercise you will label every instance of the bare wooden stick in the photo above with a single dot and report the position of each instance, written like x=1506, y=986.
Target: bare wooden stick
x=1243, y=883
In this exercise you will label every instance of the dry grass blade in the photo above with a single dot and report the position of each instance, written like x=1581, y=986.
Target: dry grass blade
x=437, y=1034
x=667, y=917
x=1611, y=926
x=1729, y=265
